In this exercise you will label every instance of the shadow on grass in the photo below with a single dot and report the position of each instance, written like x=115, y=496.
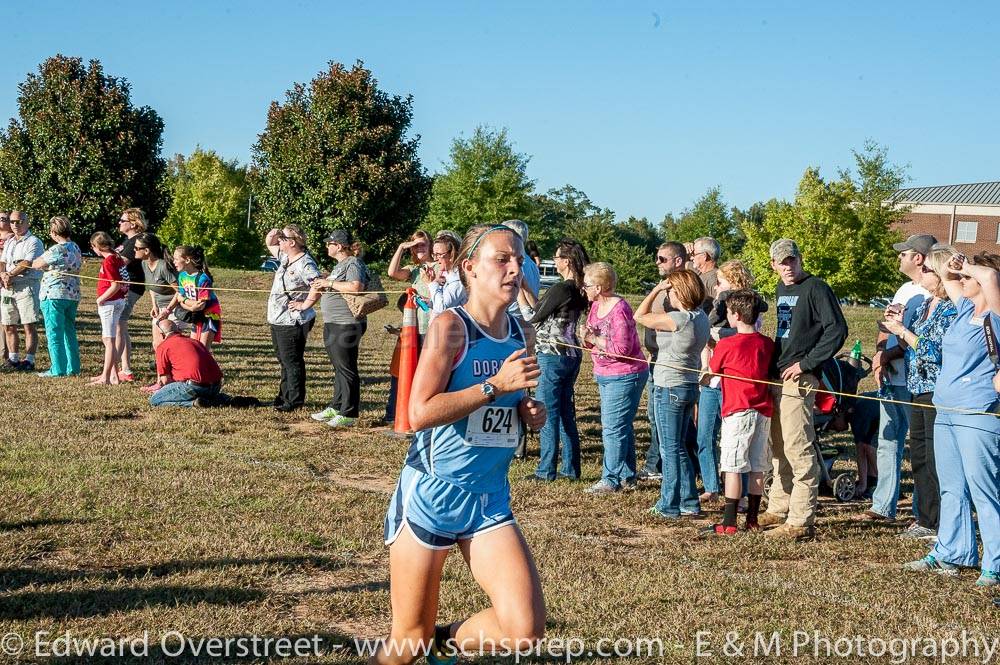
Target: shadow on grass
x=34, y=524
x=98, y=602
x=16, y=578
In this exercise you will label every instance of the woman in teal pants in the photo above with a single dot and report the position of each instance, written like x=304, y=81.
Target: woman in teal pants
x=60, y=295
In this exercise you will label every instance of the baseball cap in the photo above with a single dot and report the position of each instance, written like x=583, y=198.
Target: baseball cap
x=339, y=236
x=783, y=248
x=922, y=243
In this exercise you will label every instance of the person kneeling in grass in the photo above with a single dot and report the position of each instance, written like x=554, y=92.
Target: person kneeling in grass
x=188, y=373
x=746, y=409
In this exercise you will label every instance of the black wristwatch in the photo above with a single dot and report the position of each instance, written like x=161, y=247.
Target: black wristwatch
x=489, y=390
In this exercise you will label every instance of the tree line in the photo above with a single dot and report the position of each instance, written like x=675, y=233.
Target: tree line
x=338, y=152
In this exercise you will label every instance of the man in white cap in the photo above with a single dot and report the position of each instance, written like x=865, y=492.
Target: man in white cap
x=811, y=329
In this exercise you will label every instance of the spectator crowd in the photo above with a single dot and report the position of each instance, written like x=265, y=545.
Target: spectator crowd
x=727, y=405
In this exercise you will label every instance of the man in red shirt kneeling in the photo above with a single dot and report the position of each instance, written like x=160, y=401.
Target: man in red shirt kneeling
x=188, y=374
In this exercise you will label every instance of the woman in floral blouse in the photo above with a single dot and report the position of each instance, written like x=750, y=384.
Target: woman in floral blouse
x=60, y=296
x=923, y=362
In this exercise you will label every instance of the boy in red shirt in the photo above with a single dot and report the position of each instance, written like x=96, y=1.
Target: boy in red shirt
x=746, y=409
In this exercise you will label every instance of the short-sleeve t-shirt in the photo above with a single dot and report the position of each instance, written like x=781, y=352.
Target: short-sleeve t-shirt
x=198, y=286
x=62, y=258
x=186, y=359
x=747, y=355
x=27, y=248
x=291, y=284
x=681, y=348
x=112, y=268
x=333, y=305
x=161, y=274
x=127, y=252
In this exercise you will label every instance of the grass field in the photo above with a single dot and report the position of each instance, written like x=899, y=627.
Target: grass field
x=118, y=519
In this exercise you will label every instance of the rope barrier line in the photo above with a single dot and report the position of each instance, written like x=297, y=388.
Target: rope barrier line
x=699, y=371
x=211, y=288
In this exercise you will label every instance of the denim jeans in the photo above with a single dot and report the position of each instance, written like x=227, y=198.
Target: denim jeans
x=709, y=423
x=967, y=453
x=619, y=401
x=555, y=391
x=893, y=424
x=182, y=393
x=60, y=335
x=674, y=407
x=652, y=463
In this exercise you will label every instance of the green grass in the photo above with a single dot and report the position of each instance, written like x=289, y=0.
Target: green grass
x=118, y=519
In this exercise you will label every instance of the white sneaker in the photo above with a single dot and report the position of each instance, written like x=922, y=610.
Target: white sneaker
x=341, y=421
x=326, y=414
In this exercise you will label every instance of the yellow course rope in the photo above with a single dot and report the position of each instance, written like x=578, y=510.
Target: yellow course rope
x=968, y=412
x=699, y=371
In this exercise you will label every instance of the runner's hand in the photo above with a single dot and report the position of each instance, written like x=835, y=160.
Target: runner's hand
x=532, y=413
x=518, y=371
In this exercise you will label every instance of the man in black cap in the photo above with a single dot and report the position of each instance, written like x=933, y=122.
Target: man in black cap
x=890, y=372
x=811, y=329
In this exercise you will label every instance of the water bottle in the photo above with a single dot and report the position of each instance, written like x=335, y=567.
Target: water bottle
x=854, y=360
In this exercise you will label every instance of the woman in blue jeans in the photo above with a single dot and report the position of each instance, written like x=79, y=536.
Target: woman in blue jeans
x=620, y=371
x=681, y=335
x=967, y=445
x=554, y=318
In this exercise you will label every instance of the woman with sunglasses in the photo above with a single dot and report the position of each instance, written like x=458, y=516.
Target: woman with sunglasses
x=158, y=271
x=967, y=442
x=442, y=278
x=468, y=406
x=290, y=323
x=132, y=223
x=555, y=317
x=931, y=320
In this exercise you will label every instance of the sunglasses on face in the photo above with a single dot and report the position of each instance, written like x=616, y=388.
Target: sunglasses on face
x=663, y=259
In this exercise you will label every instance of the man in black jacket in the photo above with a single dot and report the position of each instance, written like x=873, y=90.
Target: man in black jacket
x=811, y=329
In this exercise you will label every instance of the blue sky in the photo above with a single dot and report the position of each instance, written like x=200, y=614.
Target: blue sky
x=644, y=106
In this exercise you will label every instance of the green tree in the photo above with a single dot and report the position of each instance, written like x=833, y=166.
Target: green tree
x=79, y=148
x=842, y=227
x=554, y=211
x=614, y=243
x=336, y=154
x=209, y=197
x=484, y=181
x=709, y=216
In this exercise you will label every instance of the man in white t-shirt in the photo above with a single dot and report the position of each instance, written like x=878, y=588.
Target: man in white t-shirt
x=890, y=372
x=19, y=292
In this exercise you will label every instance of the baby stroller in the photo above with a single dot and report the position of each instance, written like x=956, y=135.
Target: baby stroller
x=832, y=414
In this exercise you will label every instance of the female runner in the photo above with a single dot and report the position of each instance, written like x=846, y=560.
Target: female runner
x=467, y=406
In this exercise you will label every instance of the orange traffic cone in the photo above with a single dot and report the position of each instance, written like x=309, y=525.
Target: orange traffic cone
x=408, y=355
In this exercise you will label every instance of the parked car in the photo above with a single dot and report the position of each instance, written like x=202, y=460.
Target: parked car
x=270, y=264
x=550, y=276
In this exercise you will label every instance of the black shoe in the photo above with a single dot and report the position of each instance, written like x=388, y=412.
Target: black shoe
x=26, y=366
x=534, y=478
x=200, y=403
x=284, y=408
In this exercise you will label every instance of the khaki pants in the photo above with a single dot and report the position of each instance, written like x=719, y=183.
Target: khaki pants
x=796, y=469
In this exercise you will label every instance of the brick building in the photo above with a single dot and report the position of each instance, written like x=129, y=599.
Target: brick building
x=966, y=216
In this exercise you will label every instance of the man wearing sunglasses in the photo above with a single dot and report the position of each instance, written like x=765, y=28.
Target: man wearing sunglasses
x=670, y=257
x=890, y=372
x=19, y=295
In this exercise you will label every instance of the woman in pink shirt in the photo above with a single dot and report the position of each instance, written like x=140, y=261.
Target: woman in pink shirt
x=620, y=372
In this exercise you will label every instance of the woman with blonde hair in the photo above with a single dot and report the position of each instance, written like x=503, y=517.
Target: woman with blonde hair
x=681, y=334
x=443, y=281
x=620, y=372
x=923, y=339
x=732, y=276
x=132, y=222
x=60, y=296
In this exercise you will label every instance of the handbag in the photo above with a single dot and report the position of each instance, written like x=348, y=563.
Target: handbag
x=363, y=304
x=187, y=316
